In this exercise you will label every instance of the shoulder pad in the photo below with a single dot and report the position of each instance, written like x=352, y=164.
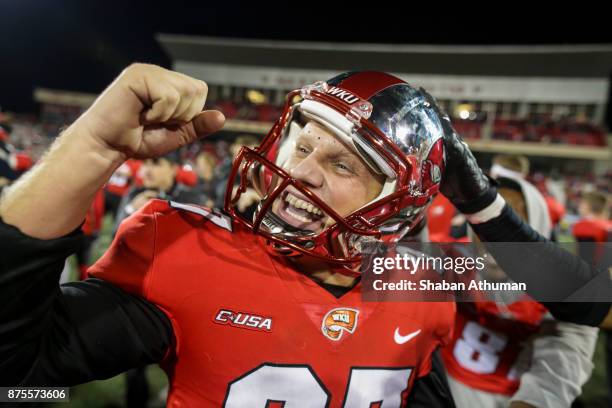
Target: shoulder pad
x=220, y=220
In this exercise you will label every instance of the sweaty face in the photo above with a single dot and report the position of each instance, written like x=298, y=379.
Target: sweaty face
x=331, y=170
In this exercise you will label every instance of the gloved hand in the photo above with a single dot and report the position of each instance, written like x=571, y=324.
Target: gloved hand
x=463, y=182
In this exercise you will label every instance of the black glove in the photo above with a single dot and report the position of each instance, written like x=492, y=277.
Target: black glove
x=463, y=182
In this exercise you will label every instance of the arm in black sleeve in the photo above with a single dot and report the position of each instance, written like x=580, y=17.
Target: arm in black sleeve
x=468, y=188
x=432, y=390
x=565, y=269
x=69, y=334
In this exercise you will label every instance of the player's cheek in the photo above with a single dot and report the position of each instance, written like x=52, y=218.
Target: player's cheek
x=348, y=196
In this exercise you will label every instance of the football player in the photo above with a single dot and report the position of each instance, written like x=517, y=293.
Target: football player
x=258, y=312
x=509, y=353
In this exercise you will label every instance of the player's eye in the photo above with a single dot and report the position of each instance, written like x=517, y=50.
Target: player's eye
x=343, y=167
x=302, y=150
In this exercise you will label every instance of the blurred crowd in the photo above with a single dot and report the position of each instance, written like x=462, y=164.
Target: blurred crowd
x=570, y=202
x=537, y=128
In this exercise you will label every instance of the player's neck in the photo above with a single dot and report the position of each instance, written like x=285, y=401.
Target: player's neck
x=334, y=278
x=321, y=272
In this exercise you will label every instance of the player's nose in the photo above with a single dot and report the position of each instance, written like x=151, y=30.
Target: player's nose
x=309, y=172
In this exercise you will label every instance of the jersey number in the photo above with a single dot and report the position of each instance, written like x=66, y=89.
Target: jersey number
x=478, y=348
x=292, y=386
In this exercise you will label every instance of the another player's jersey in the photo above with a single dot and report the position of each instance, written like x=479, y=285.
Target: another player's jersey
x=487, y=342
x=251, y=331
x=122, y=179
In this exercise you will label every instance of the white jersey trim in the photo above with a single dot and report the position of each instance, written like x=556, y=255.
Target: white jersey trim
x=219, y=220
x=492, y=211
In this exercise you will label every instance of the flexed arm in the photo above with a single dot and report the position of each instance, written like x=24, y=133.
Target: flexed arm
x=146, y=112
x=69, y=334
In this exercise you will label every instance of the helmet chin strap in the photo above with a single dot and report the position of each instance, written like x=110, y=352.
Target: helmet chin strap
x=277, y=225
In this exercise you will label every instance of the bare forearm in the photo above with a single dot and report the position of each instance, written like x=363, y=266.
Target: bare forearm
x=52, y=199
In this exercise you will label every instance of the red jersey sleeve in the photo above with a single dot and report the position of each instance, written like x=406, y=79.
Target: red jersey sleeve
x=129, y=258
x=441, y=330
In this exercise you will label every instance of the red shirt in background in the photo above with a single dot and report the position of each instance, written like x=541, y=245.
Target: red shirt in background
x=123, y=178
x=590, y=229
x=439, y=216
x=95, y=215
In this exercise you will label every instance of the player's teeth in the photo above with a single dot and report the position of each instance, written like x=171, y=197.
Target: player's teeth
x=301, y=204
x=299, y=217
x=314, y=210
x=291, y=199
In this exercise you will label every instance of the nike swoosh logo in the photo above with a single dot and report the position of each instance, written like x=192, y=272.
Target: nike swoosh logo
x=399, y=339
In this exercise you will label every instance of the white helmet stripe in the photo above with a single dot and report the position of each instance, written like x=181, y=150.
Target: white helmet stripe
x=344, y=129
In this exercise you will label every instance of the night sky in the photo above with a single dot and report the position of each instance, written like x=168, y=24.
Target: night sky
x=83, y=45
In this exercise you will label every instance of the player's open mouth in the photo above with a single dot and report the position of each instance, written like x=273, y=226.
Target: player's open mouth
x=300, y=213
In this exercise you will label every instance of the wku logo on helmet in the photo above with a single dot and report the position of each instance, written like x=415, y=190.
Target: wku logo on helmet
x=346, y=96
x=339, y=320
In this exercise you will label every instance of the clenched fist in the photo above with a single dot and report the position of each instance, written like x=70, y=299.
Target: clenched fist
x=148, y=111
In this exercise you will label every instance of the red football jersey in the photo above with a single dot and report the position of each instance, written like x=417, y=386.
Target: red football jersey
x=486, y=343
x=251, y=331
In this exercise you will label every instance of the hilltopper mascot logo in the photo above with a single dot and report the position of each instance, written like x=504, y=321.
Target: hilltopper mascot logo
x=336, y=321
